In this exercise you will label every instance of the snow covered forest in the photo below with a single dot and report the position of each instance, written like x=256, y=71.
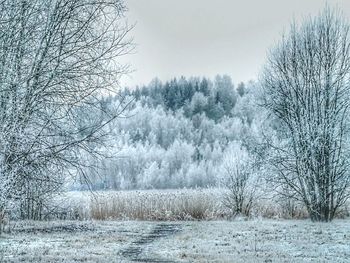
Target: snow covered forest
x=82, y=152
x=181, y=133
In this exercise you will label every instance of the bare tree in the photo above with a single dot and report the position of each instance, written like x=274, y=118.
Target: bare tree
x=306, y=88
x=239, y=180
x=57, y=58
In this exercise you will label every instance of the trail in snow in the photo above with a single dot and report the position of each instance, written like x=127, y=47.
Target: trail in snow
x=135, y=251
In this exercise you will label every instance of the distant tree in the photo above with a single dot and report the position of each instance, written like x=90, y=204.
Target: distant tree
x=204, y=87
x=137, y=93
x=241, y=89
x=215, y=109
x=247, y=107
x=198, y=103
x=170, y=94
x=306, y=87
x=154, y=90
x=225, y=94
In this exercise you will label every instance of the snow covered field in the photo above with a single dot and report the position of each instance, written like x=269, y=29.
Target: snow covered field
x=208, y=241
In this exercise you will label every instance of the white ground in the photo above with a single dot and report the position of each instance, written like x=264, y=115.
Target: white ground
x=211, y=241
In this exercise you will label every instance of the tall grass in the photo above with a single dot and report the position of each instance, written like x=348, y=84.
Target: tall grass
x=185, y=204
x=156, y=205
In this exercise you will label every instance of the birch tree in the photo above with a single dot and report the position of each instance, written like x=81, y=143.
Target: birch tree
x=306, y=88
x=57, y=57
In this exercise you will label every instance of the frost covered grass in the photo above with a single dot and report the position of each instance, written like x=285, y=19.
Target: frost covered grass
x=68, y=241
x=259, y=240
x=185, y=204
x=158, y=205
x=201, y=204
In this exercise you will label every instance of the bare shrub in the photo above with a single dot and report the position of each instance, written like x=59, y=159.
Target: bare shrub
x=239, y=180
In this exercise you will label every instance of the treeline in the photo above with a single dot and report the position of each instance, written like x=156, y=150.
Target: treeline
x=176, y=134
x=194, y=95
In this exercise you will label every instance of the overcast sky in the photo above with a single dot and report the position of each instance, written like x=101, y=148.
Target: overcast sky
x=205, y=38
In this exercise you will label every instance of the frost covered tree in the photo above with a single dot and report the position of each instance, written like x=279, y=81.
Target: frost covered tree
x=306, y=88
x=198, y=103
x=56, y=58
x=239, y=179
x=241, y=90
x=225, y=93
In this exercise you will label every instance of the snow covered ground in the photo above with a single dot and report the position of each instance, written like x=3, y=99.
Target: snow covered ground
x=207, y=241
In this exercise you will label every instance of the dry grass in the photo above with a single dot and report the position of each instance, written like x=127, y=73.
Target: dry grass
x=185, y=204
x=145, y=205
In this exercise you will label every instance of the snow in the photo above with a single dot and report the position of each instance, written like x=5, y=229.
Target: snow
x=207, y=241
x=260, y=241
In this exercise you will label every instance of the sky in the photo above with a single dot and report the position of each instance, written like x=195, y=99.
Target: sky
x=204, y=38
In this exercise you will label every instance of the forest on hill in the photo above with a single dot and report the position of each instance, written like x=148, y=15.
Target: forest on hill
x=181, y=133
